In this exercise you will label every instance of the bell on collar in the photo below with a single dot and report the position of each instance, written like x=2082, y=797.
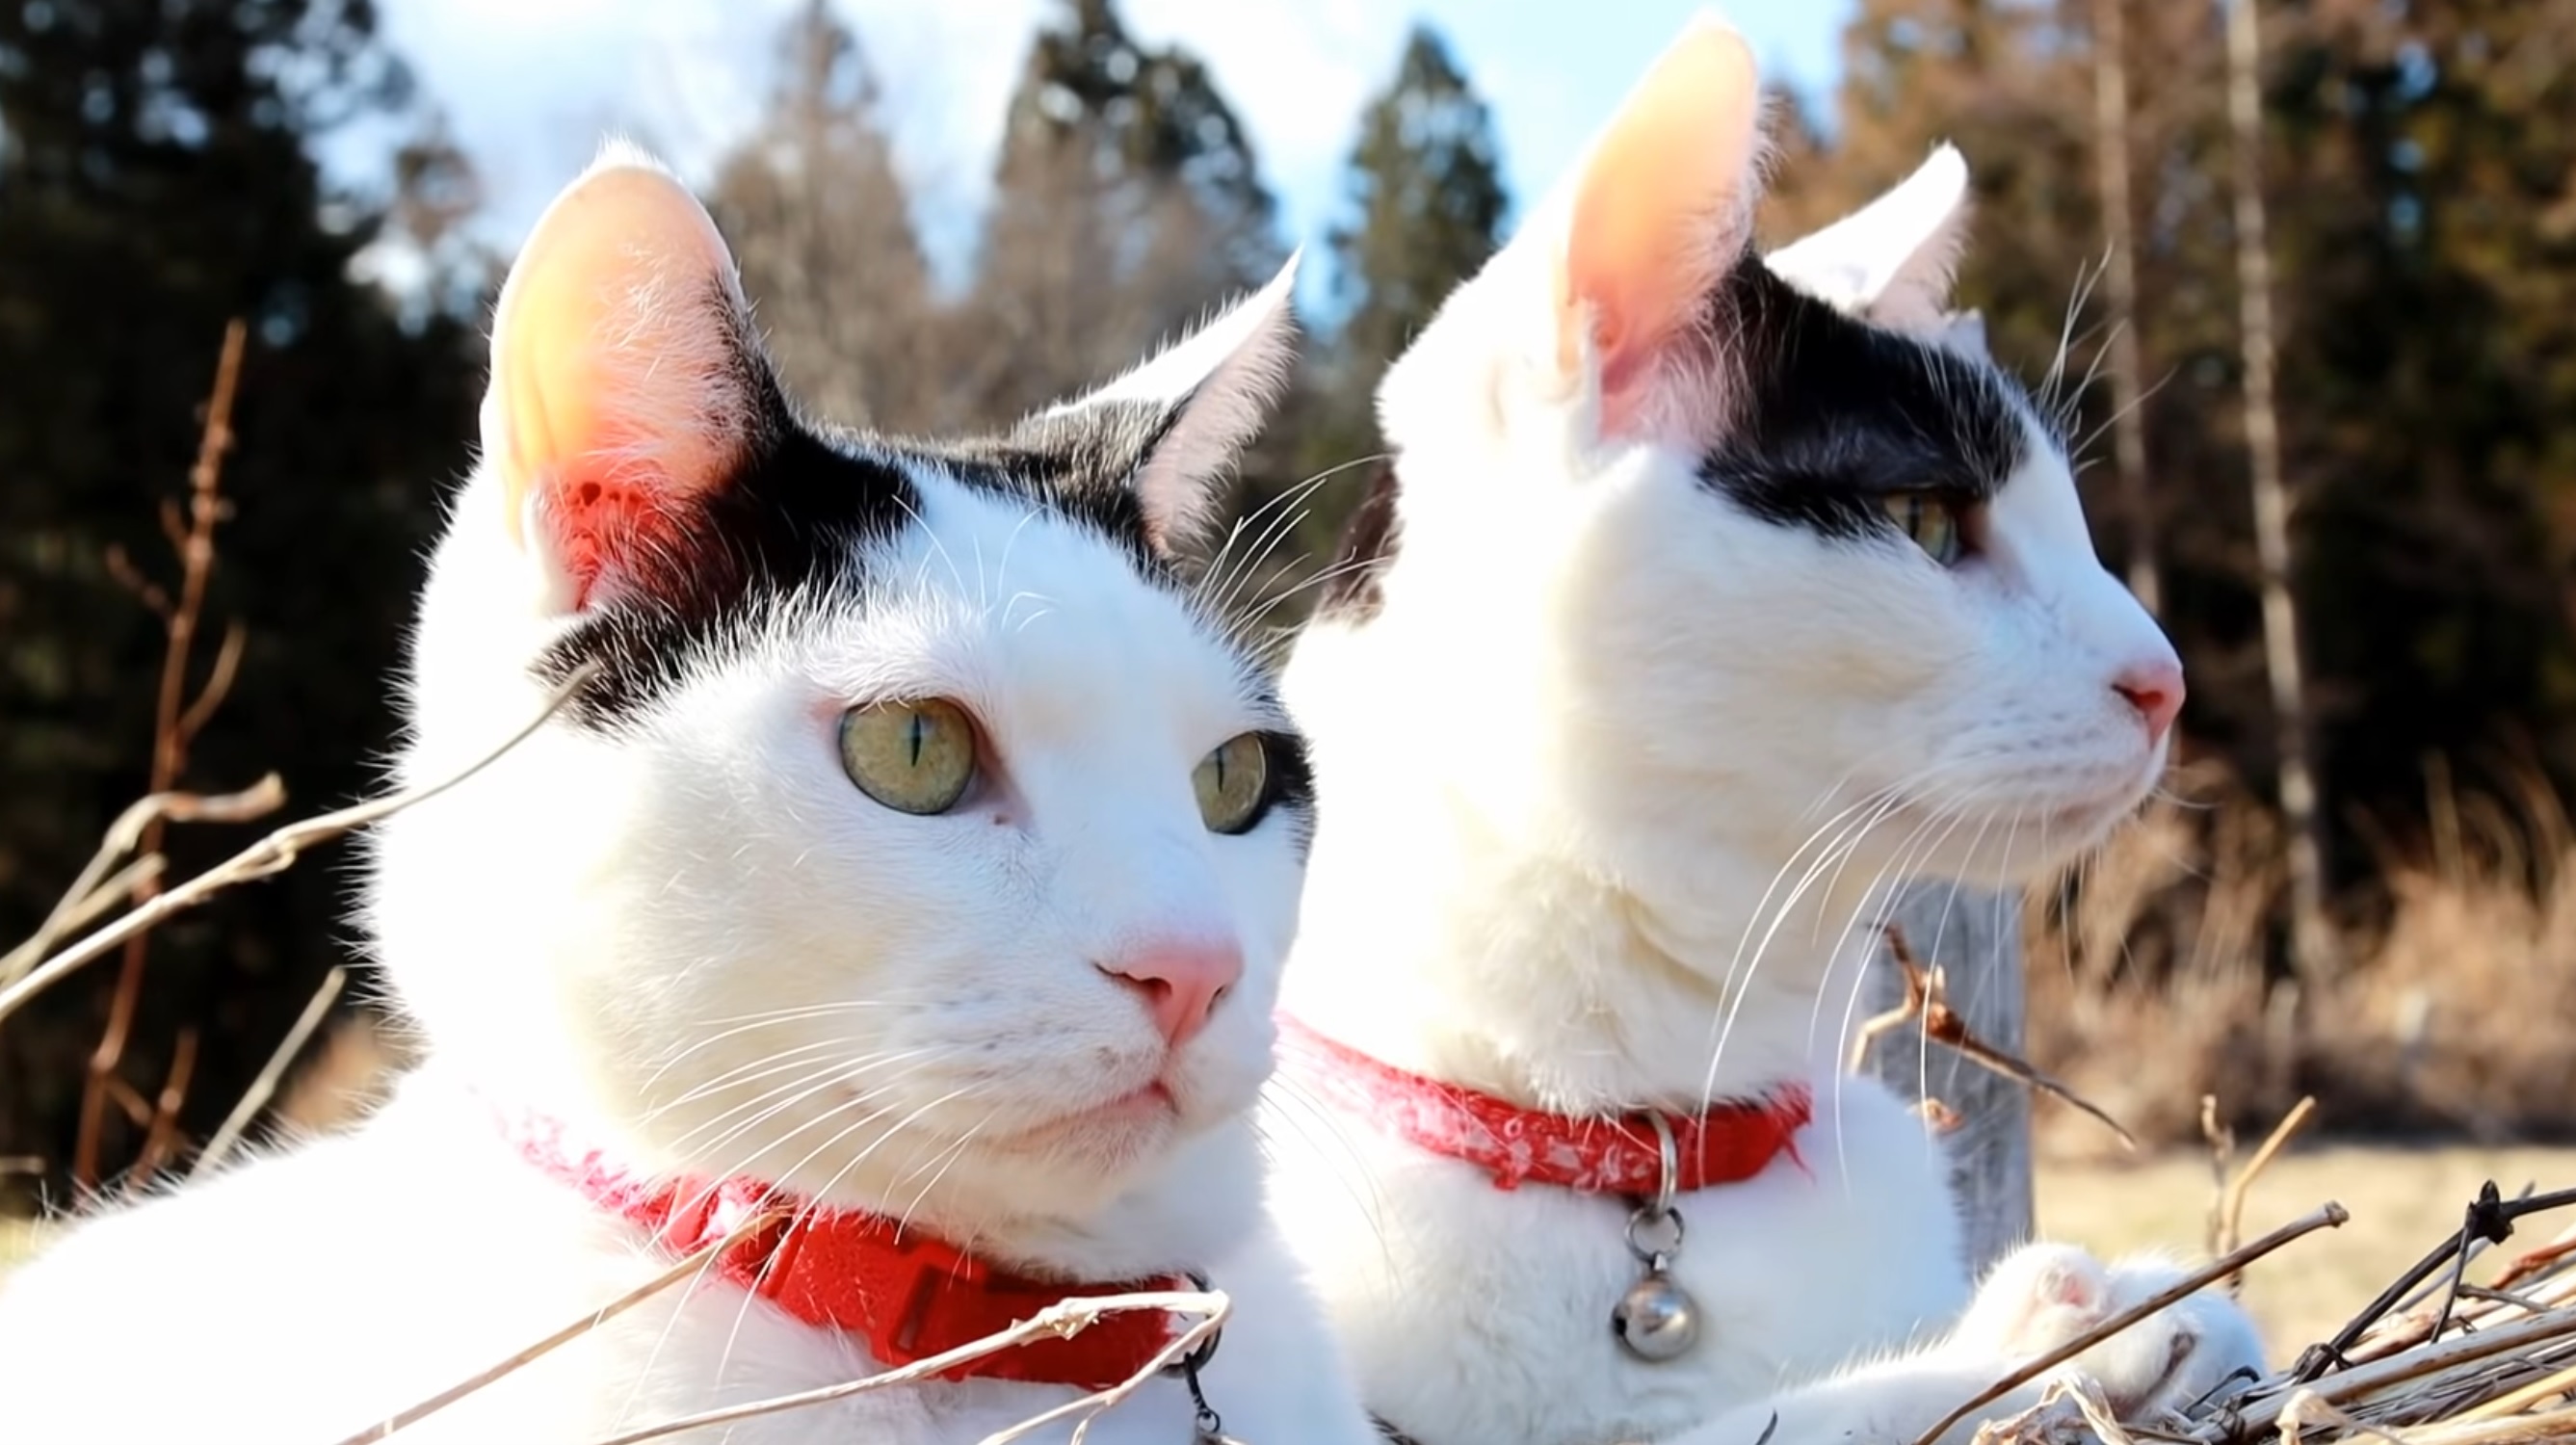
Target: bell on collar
x=1656, y=1320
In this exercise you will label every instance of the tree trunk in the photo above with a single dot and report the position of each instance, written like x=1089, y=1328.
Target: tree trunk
x=2120, y=284
x=2311, y=943
x=1974, y=938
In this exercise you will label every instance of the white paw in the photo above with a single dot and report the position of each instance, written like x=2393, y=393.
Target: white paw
x=2043, y=1296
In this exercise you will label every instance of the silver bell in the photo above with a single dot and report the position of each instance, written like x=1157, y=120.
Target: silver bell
x=1656, y=1319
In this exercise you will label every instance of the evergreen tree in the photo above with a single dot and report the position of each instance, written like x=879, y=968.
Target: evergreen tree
x=1426, y=193
x=1128, y=202
x=1426, y=183
x=822, y=228
x=157, y=180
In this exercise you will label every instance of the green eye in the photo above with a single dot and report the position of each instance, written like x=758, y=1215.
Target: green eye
x=1234, y=784
x=1931, y=521
x=914, y=757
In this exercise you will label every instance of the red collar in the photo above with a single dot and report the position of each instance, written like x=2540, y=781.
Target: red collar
x=1725, y=1144
x=906, y=1295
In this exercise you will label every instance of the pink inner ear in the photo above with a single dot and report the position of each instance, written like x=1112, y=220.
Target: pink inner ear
x=605, y=519
x=617, y=396
x=1662, y=211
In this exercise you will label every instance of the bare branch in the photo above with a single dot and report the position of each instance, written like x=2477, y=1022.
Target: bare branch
x=587, y=1323
x=88, y=896
x=1925, y=1001
x=219, y=682
x=261, y=1088
x=2328, y=1216
x=1061, y=1320
x=272, y=854
x=195, y=544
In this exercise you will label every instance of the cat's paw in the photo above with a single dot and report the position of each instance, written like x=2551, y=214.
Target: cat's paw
x=2192, y=1349
x=2035, y=1299
x=2044, y=1296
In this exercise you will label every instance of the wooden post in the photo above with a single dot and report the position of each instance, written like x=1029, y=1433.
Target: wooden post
x=1974, y=938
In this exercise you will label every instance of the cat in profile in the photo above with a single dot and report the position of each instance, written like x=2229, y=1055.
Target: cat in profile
x=1709, y=598
x=895, y=906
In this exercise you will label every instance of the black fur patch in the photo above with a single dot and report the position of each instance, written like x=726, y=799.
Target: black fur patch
x=805, y=505
x=1081, y=466
x=1292, y=785
x=1840, y=414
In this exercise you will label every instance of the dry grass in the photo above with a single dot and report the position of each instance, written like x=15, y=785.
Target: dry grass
x=2402, y=1200
x=2448, y=1015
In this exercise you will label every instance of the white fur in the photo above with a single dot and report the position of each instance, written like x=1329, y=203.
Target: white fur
x=695, y=938
x=1891, y=260
x=1613, y=785
x=1228, y=371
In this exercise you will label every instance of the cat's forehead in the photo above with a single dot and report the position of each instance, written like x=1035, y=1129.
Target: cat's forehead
x=1043, y=626
x=825, y=523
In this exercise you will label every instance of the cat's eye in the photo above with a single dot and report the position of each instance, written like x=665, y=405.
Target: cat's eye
x=1233, y=784
x=914, y=757
x=1931, y=521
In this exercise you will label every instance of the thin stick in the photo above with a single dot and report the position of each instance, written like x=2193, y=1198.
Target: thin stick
x=568, y=1333
x=1060, y=1320
x=256, y=1097
x=162, y=1125
x=174, y=720
x=272, y=854
x=1092, y=1406
x=2231, y=1207
x=2328, y=1216
x=88, y=897
x=1926, y=999
x=2514, y=1402
x=2416, y=1363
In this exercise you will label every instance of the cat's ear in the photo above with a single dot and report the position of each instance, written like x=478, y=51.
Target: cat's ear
x=1890, y=261
x=623, y=378
x=1191, y=409
x=1661, y=210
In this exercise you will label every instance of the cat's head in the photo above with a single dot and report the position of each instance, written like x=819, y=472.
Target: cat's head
x=1737, y=555
x=920, y=825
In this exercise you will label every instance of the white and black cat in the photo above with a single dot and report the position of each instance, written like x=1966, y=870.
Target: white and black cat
x=922, y=858
x=1708, y=600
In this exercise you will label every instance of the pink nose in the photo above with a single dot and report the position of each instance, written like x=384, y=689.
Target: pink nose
x=2155, y=690
x=1180, y=981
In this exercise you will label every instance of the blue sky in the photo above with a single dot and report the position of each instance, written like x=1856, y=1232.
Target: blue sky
x=531, y=85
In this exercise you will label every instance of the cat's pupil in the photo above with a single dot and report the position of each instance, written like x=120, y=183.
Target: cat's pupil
x=1930, y=522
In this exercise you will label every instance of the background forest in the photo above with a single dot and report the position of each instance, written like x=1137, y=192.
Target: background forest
x=2362, y=882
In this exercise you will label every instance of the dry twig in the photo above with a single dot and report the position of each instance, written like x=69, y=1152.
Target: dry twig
x=256, y=1097
x=162, y=1133
x=2328, y=1216
x=2227, y=1210
x=587, y=1323
x=1066, y=1318
x=1926, y=1002
x=175, y=721
x=272, y=854
x=88, y=896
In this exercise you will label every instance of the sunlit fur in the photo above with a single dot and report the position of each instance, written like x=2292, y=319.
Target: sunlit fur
x=669, y=920
x=1623, y=756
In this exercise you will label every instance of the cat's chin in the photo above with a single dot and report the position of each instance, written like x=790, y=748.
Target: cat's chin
x=1105, y=1138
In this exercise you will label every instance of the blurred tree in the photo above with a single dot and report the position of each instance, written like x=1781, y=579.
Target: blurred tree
x=1425, y=189
x=157, y=179
x=822, y=227
x=1127, y=203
